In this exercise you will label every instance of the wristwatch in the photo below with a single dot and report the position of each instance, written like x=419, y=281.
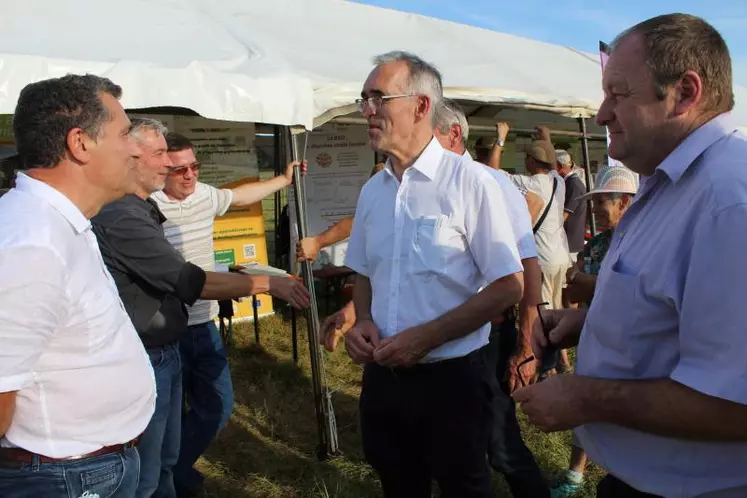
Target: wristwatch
x=499, y=142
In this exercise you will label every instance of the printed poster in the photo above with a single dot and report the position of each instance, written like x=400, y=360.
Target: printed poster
x=339, y=164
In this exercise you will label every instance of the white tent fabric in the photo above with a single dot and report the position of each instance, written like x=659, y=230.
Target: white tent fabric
x=288, y=62
x=162, y=52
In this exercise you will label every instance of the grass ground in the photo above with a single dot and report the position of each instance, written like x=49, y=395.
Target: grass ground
x=268, y=448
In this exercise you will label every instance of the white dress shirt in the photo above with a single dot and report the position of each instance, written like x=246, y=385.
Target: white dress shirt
x=429, y=243
x=517, y=210
x=69, y=349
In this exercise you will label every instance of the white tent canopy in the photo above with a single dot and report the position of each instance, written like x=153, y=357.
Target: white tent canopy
x=288, y=62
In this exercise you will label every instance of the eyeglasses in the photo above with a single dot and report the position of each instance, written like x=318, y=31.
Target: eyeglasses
x=180, y=170
x=377, y=101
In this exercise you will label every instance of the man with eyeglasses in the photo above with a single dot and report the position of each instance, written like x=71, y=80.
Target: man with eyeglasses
x=155, y=283
x=429, y=232
x=190, y=208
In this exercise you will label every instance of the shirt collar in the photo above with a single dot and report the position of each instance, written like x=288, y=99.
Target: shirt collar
x=427, y=162
x=54, y=198
x=678, y=162
x=161, y=196
x=467, y=154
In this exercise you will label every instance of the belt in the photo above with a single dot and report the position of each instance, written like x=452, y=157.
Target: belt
x=20, y=455
x=441, y=365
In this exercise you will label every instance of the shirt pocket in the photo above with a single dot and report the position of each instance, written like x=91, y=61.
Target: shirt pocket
x=614, y=320
x=433, y=243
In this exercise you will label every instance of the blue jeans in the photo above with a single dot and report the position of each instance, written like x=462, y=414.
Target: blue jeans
x=107, y=476
x=159, y=445
x=209, y=396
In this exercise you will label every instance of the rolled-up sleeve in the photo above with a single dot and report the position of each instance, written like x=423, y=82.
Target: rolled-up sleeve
x=713, y=341
x=355, y=256
x=33, y=304
x=139, y=247
x=488, y=231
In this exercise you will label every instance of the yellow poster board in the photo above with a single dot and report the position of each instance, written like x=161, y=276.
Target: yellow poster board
x=238, y=238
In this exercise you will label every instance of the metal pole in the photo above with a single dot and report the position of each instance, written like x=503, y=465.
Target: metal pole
x=277, y=199
x=491, y=129
x=587, y=172
x=324, y=414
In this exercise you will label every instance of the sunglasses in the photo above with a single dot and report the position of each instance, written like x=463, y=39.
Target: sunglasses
x=549, y=357
x=180, y=170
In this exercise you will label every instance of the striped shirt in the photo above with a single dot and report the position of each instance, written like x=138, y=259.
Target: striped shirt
x=189, y=228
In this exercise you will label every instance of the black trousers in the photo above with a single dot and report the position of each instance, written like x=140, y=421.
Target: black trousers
x=612, y=487
x=507, y=452
x=429, y=422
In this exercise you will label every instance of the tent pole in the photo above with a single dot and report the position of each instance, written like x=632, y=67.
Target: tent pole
x=587, y=172
x=356, y=120
x=326, y=426
x=277, y=197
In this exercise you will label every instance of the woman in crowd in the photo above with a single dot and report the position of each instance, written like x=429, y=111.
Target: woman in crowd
x=611, y=196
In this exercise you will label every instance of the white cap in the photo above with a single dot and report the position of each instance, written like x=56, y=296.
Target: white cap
x=614, y=180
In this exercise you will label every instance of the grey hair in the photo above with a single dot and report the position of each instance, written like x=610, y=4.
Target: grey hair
x=424, y=78
x=450, y=113
x=146, y=124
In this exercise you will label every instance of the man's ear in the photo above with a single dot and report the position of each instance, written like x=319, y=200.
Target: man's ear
x=422, y=110
x=688, y=92
x=79, y=145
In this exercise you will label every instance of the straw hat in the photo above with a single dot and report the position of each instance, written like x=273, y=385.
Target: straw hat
x=614, y=180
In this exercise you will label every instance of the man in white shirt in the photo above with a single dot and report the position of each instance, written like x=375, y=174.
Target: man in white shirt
x=430, y=231
x=508, y=352
x=190, y=208
x=76, y=387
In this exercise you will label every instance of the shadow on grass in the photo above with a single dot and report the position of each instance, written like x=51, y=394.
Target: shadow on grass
x=269, y=448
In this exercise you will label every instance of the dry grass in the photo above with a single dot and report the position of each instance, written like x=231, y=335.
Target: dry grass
x=268, y=448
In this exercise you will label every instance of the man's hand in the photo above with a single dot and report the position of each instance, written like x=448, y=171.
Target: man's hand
x=564, y=328
x=555, y=403
x=307, y=249
x=336, y=326
x=291, y=290
x=362, y=340
x=289, y=170
x=404, y=349
x=543, y=132
x=528, y=370
x=501, y=130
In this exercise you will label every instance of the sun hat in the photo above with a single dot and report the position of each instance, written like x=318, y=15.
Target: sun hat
x=614, y=180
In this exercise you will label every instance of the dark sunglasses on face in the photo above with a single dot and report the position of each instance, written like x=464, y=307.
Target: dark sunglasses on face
x=180, y=170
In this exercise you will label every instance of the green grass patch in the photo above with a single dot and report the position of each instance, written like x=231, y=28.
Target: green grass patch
x=268, y=449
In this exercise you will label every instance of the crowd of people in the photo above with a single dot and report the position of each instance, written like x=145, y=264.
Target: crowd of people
x=470, y=282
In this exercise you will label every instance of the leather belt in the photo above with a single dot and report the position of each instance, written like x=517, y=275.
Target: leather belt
x=20, y=455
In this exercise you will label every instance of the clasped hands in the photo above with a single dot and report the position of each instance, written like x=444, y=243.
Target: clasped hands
x=364, y=345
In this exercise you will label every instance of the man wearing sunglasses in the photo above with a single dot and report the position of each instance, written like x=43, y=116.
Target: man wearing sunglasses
x=190, y=208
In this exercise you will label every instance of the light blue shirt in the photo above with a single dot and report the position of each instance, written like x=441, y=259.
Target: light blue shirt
x=430, y=242
x=669, y=302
